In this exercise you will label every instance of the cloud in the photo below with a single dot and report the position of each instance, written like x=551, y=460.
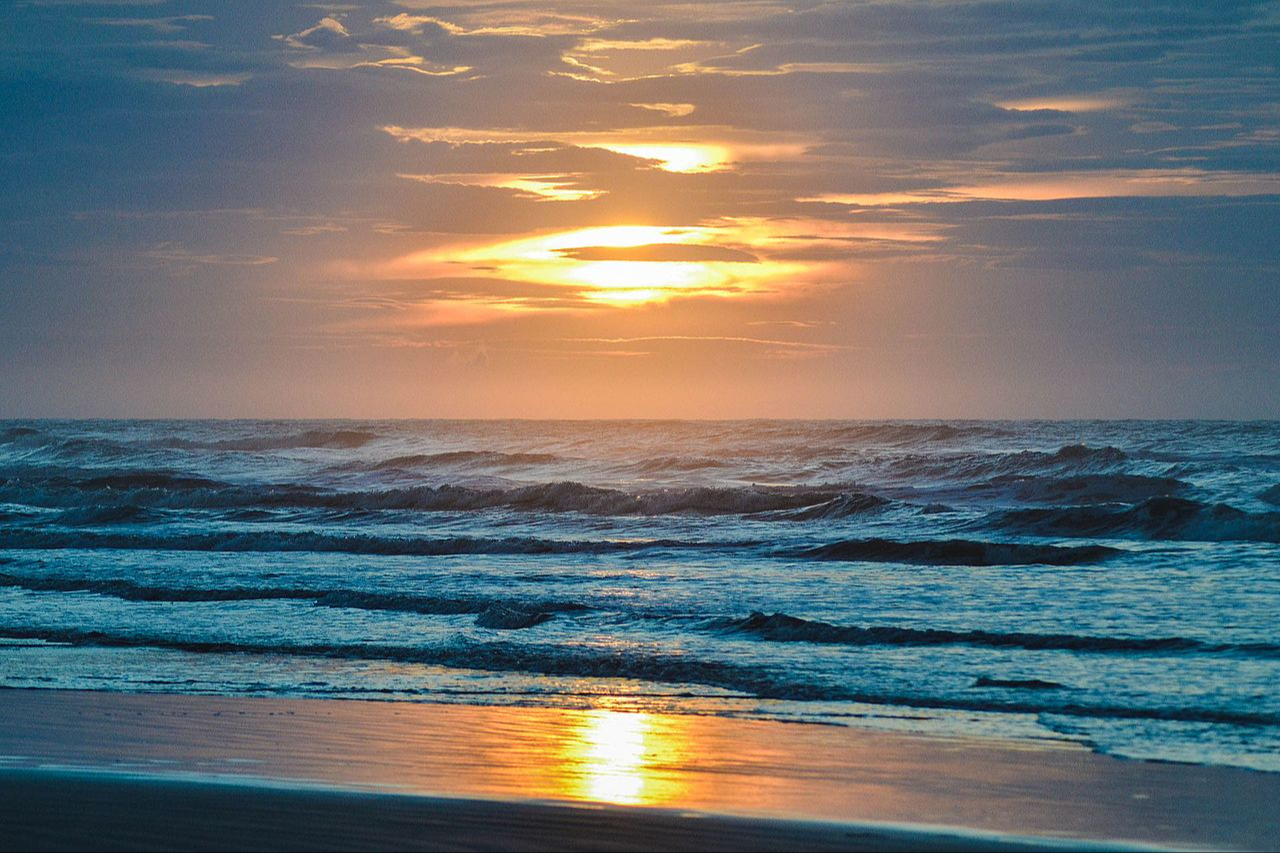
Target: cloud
x=1068, y=185
x=672, y=110
x=542, y=187
x=162, y=26
x=195, y=79
x=183, y=260
x=635, y=184
x=328, y=35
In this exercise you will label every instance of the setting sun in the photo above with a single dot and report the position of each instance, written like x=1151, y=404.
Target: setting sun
x=635, y=264
x=675, y=157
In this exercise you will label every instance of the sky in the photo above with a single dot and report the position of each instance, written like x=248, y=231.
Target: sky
x=580, y=208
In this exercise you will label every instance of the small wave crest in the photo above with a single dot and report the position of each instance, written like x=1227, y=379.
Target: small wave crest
x=12, y=434
x=289, y=541
x=913, y=433
x=318, y=439
x=93, y=515
x=1017, y=683
x=505, y=618
x=846, y=505
x=779, y=627
x=958, y=467
x=458, y=459
x=490, y=609
x=635, y=664
x=172, y=490
x=956, y=552
x=1083, y=489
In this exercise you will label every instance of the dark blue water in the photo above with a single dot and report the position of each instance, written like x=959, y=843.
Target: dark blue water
x=1116, y=583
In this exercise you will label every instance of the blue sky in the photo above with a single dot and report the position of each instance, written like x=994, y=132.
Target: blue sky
x=594, y=209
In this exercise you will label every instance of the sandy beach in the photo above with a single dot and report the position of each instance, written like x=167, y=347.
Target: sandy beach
x=197, y=772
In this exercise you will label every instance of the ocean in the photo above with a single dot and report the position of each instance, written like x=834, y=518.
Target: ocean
x=1113, y=583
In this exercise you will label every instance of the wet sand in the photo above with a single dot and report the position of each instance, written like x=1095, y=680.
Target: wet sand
x=126, y=771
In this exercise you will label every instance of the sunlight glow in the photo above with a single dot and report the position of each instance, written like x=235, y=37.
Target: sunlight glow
x=1052, y=186
x=676, y=157
x=670, y=147
x=1066, y=104
x=629, y=264
x=543, y=187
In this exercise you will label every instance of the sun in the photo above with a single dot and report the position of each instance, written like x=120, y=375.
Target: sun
x=675, y=156
x=634, y=265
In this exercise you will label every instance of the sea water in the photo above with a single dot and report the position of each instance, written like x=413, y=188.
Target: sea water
x=1111, y=583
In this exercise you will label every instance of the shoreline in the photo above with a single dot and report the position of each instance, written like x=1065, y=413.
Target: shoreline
x=114, y=811
x=679, y=770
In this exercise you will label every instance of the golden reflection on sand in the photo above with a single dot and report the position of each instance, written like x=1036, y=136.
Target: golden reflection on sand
x=617, y=757
x=640, y=758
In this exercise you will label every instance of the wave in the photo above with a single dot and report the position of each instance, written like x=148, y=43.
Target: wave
x=80, y=482
x=1156, y=518
x=458, y=458
x=171, y=490
x=506, y=618
x=576, y=497
x=845, y=505
x=13, y=434
x=672, y=465
x=1083, y=489
x=583, y=662
x=779, y=627
x=1271, y=495
x=976, y=467
x=319, y=439
x=914, y=433
x=595, y=662
x=490, y=612
x=1017, y=683
x=288, y=541
x=956, y=552
x=1078, y=453
x=94, y=515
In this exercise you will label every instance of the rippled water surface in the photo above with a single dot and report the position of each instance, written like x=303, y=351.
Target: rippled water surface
x=1116, y=583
